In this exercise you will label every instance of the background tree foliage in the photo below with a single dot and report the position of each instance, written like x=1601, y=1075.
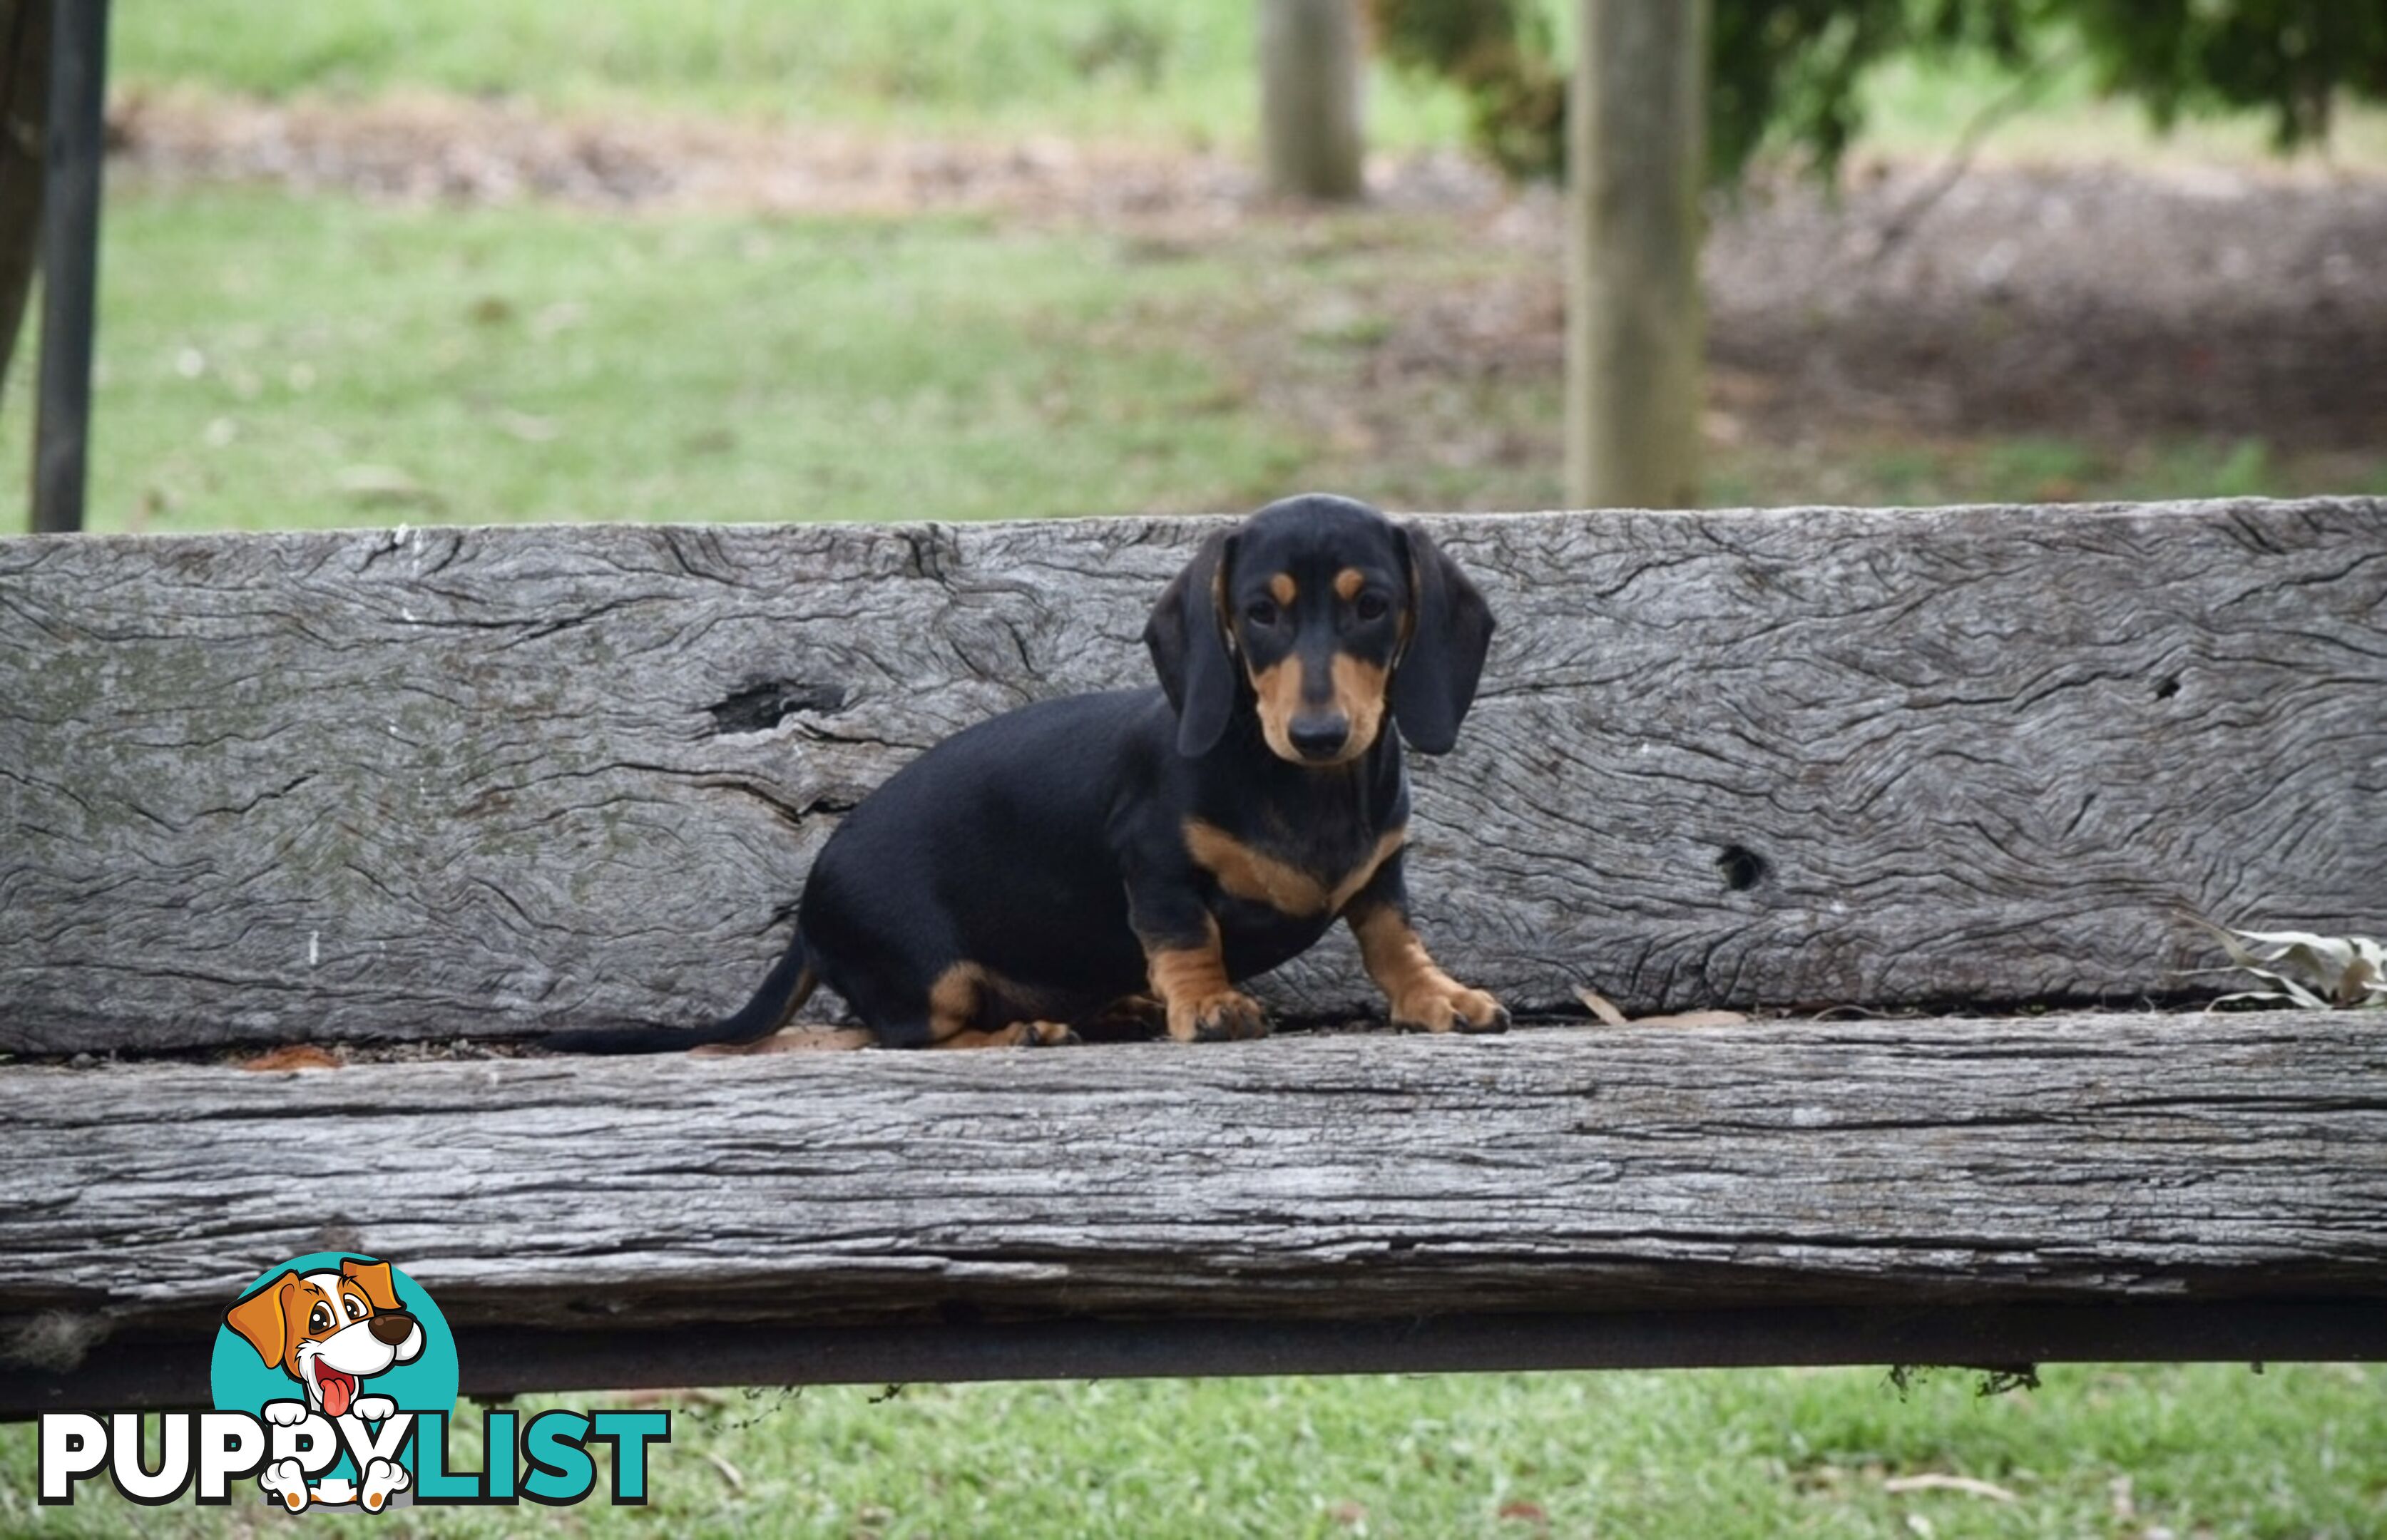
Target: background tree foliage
x=1786, y=73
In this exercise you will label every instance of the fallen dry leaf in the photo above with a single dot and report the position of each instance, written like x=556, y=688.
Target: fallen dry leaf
x=1605, y=1009
x=295, y=1055
x=1600, y=1007
x=1970, y=1485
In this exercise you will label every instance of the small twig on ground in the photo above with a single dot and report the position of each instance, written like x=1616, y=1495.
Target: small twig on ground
x=1972, y=1486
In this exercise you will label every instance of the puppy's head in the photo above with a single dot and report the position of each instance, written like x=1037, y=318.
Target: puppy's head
x=329, y=1329
x=1323, y=615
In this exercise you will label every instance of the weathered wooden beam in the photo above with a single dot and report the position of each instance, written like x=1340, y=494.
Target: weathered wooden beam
x=479, y=782
x=1952, y=1177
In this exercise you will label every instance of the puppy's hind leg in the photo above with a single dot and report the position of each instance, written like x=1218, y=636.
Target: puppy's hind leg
x=966, y=1007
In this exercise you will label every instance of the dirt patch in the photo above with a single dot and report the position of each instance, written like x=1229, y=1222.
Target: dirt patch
x=2096, y=302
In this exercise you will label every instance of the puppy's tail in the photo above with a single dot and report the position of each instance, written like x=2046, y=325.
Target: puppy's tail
x=782, y=995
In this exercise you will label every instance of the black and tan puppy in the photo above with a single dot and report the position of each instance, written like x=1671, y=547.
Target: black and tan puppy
x=1046, y=868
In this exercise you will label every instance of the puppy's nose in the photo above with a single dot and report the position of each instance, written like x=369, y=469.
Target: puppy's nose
x=1320, y=736
x=392, y=1326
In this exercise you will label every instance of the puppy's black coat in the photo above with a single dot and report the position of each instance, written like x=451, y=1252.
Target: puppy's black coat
x=1134, y=854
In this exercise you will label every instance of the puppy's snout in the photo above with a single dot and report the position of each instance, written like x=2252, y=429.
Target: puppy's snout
x=1320, y=736
x=391, y=1327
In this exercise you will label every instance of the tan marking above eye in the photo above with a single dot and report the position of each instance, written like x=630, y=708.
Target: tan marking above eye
x=1348, y=582
x=1283, y=588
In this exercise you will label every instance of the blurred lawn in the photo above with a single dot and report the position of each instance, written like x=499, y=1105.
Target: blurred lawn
x=275, y=362
x=2210, y=1451
x=268, y=362
x=1178, y=70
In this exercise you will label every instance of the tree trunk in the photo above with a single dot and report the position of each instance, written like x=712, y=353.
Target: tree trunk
x=1636, y=155
x=24, y=95
x=73, y=151
x=1309, y=98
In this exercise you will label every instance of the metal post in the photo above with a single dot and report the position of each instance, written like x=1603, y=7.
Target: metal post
x=69, y=260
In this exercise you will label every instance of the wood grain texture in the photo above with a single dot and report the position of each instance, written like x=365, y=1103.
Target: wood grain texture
x=2098, y=1158
x=454, y=782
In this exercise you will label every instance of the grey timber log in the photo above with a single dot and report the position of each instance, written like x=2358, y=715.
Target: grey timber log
x=437, y=783
x=1636, y=136
x=1313, y=138
x=1906, y=1166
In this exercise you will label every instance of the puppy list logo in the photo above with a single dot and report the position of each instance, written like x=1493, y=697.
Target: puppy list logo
x=335, y=1378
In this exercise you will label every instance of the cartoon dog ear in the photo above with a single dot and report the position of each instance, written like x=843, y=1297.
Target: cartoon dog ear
x=261, y=1321
x=1450, y=631
x=373, y=1279
x=1187, y=636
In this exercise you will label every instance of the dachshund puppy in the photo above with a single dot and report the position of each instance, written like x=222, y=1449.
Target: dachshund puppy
x=1141, y=852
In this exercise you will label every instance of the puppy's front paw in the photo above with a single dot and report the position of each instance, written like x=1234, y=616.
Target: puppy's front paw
x=1447, y=1006
x=286, y=1414
x=1228, y=1015
x=374, y=1408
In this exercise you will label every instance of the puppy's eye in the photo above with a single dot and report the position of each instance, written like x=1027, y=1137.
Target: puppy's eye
x=1262, y=614
x=1373, y=606
x=320, y=1319
x=355, y=1306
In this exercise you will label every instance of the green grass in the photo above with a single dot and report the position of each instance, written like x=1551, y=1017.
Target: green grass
x=1182, y=70
x=2205, y=1451
x=1178, y=70
x=269, y=362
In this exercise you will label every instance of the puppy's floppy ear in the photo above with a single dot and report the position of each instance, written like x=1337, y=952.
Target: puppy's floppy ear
x=260, y=1319
x=1450, y=630
x=1187, y=636
x=373, y=1279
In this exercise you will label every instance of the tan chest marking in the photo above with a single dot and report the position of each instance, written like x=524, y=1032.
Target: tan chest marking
x=1254, y=875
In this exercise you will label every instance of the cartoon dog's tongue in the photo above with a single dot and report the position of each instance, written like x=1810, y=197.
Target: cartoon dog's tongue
x=338, y=1389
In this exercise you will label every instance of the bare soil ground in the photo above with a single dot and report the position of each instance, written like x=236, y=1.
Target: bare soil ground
x=2081, y=301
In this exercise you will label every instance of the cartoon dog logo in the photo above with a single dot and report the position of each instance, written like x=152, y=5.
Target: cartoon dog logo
x=331, y=1331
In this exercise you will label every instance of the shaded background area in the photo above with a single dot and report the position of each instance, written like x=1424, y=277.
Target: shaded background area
x=496, y=261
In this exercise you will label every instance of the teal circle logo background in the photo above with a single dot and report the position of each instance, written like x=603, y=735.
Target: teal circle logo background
x=245, y=1382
